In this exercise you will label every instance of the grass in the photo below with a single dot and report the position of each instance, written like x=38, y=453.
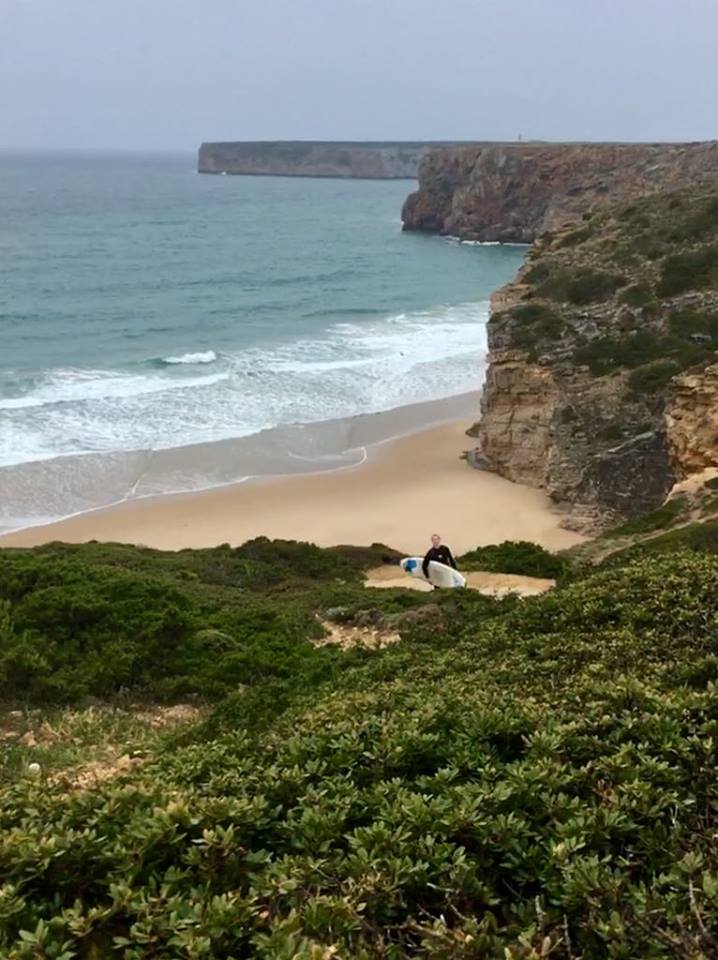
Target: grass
x=698, y=538
x=67, y=739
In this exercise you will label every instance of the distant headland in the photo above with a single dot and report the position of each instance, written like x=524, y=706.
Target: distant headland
x=370, y=160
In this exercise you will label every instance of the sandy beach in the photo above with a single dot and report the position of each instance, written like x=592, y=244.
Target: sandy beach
x=400, y=492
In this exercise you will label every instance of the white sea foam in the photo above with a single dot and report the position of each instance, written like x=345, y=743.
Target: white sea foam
x=205, y=356
x=355, y=367
x=73, y=385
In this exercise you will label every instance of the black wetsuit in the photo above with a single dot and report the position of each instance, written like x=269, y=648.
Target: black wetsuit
x=441, y=554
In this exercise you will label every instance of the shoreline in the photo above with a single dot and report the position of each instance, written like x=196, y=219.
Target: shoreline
x=331, y=445
x=405, y=487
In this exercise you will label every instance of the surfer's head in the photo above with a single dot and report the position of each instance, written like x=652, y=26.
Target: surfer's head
x=435, y=539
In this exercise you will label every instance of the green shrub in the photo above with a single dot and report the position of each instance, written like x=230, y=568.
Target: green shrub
x=666, y=354
x=591, y=286
x=690, y=270
x=686, y=323
x=700, y=538
x=636, y=295
x=515, y=556
x=649, y=246
x=534, y=322
x=605, y=354
x=538, y=272
x=652, y=377
x=577, y=285
x=700, y=221
x=93, y=621
x=574, y=237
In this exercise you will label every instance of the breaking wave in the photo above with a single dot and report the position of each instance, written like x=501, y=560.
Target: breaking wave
x=354, y=367
x=203, y=356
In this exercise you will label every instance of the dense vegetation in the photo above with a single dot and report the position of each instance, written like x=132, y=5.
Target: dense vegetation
x=522, y=780
x=643, y=256
x=100, y=620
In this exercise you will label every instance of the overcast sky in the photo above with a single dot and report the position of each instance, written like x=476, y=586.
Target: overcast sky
x=166, y=74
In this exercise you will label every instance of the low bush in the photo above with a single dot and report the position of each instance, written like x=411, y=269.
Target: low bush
x=687, y=323
x=652, y=377
x=689, y=270
x=591, y=286
x=699, y=221
x=107, y=619
x=516, y=556
x=574, y=237
x=576, y=285
x=545, y=779
x=636, y=295
x=534, y=322
x=685, y=345
x=605, y=354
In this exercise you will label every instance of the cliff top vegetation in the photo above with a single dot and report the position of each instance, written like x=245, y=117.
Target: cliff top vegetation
x=633, y=289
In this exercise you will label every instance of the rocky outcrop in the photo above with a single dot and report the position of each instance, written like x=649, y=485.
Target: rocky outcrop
x=692, y=422
x=602, y=385
x=304, y=158
x=515, y=192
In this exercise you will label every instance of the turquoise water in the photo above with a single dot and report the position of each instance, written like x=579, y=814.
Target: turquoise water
x=146, y=307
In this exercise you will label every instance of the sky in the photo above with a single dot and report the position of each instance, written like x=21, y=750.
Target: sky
x=167, y=74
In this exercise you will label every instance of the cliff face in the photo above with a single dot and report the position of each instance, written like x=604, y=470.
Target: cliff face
x=514, y=192
x=692, y=422
x=601, y=386
x=374, y=161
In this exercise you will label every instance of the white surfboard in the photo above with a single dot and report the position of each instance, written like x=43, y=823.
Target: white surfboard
x=440, y=574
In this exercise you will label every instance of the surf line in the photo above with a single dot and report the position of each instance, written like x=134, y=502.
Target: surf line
x=341, y=466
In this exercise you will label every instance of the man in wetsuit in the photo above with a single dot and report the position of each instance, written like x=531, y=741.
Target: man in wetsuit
x=439, y=552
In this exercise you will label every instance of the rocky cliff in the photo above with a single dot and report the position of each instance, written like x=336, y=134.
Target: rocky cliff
x=304, y=158
x=514, y=192
x=692, y=422
x=602, y=384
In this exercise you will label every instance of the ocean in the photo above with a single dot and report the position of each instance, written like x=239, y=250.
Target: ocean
x=151, y=317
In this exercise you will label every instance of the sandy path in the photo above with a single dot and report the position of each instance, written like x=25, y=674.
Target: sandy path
x=490, y=584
